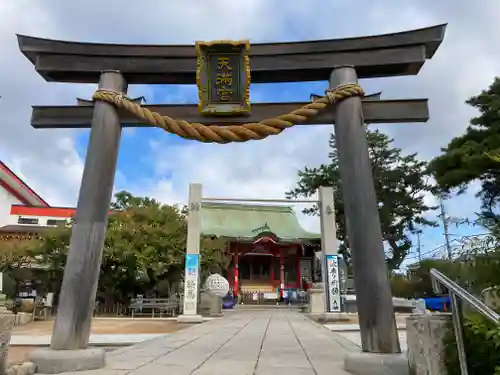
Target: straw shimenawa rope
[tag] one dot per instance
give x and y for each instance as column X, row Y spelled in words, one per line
column 231, row 133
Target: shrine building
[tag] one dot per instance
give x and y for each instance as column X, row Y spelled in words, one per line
column 269, row 247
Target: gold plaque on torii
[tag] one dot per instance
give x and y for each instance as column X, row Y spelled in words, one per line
column 223, row 77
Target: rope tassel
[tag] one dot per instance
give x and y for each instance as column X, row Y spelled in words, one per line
column 231, row 133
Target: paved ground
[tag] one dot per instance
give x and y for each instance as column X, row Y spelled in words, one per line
column 109, row 332
column 241, row 343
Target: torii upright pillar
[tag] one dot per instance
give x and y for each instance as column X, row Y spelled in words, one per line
column 70, row 337
column 373, row 290
column 81, row 273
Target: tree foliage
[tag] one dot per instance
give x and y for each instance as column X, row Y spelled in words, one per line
column 478, row 271
column 16, row 254
column 473, row 156
column 479, row 259
column 52, row 253
column 144, row 249
column 400, row 183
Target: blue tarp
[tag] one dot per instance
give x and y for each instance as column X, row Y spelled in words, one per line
column 437, row 303
column 228, row 302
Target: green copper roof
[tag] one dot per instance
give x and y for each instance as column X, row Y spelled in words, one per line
column 249, row 221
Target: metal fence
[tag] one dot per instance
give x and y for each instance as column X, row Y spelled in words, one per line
column 291, row 296
column 147, row 307
column 111, row 309
column 258, row 298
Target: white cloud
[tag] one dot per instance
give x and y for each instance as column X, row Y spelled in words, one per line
column 48, row 160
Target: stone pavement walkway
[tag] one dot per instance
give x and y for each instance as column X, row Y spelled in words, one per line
column 98, row 339
column 241, row 343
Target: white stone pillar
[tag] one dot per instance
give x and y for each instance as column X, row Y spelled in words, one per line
column 329, row 247
column 192, row 268
column 327, row 220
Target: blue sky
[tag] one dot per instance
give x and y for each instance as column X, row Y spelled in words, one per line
column 160, row 165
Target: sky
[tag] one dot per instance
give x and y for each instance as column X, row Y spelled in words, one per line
column 154, row 163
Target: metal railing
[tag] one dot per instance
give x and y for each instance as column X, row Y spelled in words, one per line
column 297, row 297
column 457, row 296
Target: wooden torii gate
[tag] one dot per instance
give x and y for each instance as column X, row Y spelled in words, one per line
column 341, row 61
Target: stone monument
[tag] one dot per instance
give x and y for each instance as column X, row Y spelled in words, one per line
column 217, row 285
column 215, row 288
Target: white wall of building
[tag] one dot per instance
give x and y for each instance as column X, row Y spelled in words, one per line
column 42, row 220
column 6, row 201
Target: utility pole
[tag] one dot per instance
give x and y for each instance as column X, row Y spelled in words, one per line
column 444, row 218
column 418, row 247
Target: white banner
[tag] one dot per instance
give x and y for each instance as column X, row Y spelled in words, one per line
column 333, row 283
column 270, row 295
column 191, row 283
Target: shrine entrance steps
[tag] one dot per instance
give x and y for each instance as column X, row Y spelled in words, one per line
column 261, row 342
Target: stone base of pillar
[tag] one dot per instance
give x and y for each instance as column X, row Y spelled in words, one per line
column 25, row 368
column 210, row 305
column 194, row 319
column 328, row 317
column 376, row 364
column 316, row 299
column 6, row 325
column 216, row 307
column 424, row 335
column 49, row 361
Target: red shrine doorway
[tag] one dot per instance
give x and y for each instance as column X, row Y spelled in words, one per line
column 265, row 264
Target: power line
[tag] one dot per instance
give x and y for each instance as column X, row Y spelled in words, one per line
column 463, row 241
column 436, row 249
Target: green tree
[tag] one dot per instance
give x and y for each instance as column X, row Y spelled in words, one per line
column 473, row 156
column 52, row 253
column 144, row 249
column 480, row 255
column 401, row 286
column 145, row 243
column 15, row 255
column 401, row 181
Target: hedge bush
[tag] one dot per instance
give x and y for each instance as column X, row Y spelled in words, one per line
column 482, row 347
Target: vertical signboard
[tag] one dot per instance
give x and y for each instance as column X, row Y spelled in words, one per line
column 332, row 283
column 191, row 279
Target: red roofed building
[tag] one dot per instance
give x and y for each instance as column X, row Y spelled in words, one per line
column 22, row 210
